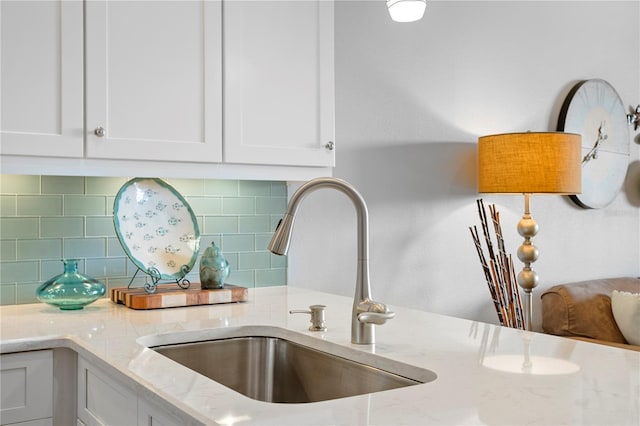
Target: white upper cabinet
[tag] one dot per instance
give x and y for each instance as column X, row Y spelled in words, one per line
column 153, row 78
column 41, row 78
column 228, row 89
column 278, row 82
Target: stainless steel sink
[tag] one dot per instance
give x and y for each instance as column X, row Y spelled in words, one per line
column 274, row 369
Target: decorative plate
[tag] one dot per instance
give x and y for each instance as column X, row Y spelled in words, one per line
column 156, row 227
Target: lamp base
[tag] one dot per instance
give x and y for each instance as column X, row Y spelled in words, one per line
column 527, row 253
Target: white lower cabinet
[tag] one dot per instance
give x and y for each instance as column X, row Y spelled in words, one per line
column 38, row 388
column 152, row 415
column 104, row 400
column 26, row 388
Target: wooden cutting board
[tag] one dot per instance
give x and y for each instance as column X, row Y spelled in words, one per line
column 171, row 296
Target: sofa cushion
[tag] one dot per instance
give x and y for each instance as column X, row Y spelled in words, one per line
column 626, row 311
column 584, row 308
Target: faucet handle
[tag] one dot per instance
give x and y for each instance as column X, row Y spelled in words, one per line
column 317, row 317
column 370, row 312
column 375, row 317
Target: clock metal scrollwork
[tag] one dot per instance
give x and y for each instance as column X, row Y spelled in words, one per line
column 634, row 118
column 593, row 152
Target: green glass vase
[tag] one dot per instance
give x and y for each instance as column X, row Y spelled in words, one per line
column 70, row 290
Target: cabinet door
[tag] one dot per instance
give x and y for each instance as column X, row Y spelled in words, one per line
column 153, row 71
column 102, row 400
column 278, row 82
column 41, row 78
column 26, row 387
column 152, row 415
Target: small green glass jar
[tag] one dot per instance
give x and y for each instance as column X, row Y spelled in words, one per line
column 70, row 290
column 214, row 268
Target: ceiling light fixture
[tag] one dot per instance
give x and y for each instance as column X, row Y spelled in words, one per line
column 406, row 10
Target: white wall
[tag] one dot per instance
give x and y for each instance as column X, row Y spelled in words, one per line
column 411, row 101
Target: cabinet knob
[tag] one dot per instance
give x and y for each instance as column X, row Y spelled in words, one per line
column 330, row 145
column 99, row 131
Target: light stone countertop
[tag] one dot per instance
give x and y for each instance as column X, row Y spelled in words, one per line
column 579, row 383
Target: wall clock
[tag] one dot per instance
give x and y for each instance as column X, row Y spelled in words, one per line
column 594, row 110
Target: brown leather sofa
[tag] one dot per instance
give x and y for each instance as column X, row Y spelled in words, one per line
column 582, row 310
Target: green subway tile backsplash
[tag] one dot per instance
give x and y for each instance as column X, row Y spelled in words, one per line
column 19, row 227
column 270, row 277
column 103, row 185
column 239, row 205
column 270, row 205
column 18, row 184
column 114, row 248
column 258, row 223
column 220, row 224
column 254, row 188
column 61, row 227
column 26, row 292
column 241, row 277
column 263, row 240
column 85, row 205
column 189, row 187
column 279, row 189
column 19, row 271
column 106, row 267
column 39, row 205
column 100, row 226
column 277, row 262
column 254, row 260
column 46, row 218
column 62, row 185
column 8, row 205
column 84, row 247
column 206, row 205
column 39, row 249
column 7, row 294
column 8, row 250
column 238, row 242
column 227, row 188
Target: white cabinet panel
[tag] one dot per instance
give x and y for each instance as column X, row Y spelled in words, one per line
column 105, row 400
column 39, row 422
column 153, row 71
column 278, row 82
column 26, row 387
column 151, row 415
column 102, row 400
column 149, row 74
column 41, row 78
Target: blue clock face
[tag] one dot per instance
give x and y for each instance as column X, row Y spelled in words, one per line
column 594, row 110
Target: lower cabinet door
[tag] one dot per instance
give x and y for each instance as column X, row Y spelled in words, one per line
column 102, row 400
column 151, row 415
column 26, row 388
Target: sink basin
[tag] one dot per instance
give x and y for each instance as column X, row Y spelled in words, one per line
column 275, row 369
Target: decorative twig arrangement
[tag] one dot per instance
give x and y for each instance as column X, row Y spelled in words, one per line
column 499, row 271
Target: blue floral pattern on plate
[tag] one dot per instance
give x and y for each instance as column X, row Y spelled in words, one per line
column 156, row 227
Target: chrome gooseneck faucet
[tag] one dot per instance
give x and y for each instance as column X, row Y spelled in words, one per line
column 366, row 312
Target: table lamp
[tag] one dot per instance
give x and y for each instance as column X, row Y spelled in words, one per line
column 529, row 163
